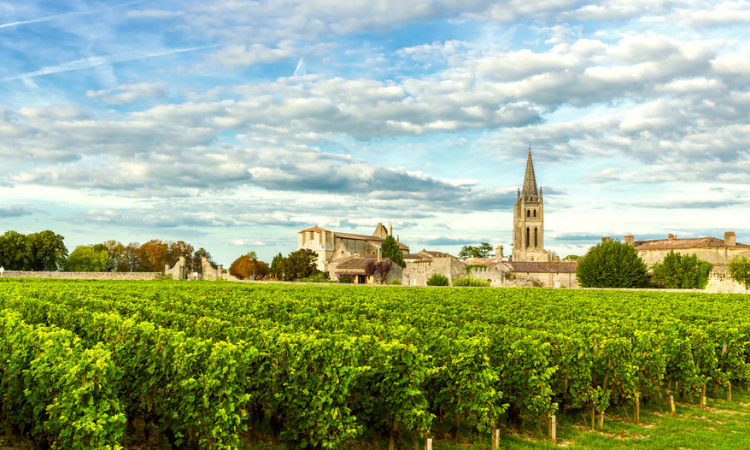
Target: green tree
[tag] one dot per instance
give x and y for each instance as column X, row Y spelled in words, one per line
column 133, row 258
column 116, row 255
column 438, row 280
column 483, row 250
column 739, row 270
column 390, row 249
column 181, row 249
column 46, row 250
column 681, row 272
column 252, row 254
column 88, row 258
column 13, row 254
column 275, row 263
column 612, row 264
column 299, row 264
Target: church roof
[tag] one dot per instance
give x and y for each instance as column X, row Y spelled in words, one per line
column 542, row 267
column 529, row 181
column 315, row 228
column 363, row 237
column 437, row 254
column 677, row 244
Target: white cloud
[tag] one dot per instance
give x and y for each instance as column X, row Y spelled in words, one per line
column 131, row 93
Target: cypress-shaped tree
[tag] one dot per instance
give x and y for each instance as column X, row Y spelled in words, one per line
column 612, row 264
column 390, row 250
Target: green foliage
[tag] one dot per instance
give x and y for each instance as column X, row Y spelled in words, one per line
column 46, row 250
column 345, row 279
column 299, row 264
column 612, row 264
column 438, row 280
column 275, row 263
column 396, row 282
column 483, row 250
column 13, row 254
column 572, row 257
column 475, row 266
column 390, row 249
column 739, row 270
column 320, row 277
column 88, row 258
column 470, row 281
column 681, row 272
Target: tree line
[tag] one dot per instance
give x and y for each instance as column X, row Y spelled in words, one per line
column 46, row 251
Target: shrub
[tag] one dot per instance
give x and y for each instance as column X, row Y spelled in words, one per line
column 681, row 272
column 320, row 277
column 612, row 264
column 396, row 282
column 438, row 280
column 345, row 279
column 739, row 270
column 470, row 281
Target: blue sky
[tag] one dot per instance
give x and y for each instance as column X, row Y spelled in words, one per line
column 234, row 124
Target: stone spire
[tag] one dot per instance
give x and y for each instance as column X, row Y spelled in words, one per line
column 529, row 181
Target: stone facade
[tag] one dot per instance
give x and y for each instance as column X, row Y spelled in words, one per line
column 334, row 244
column 354, row 266
column 528, row 220
column 179, row 271
column 547, row 274
column 85, row 275
column 421, row 266
column 718, row 252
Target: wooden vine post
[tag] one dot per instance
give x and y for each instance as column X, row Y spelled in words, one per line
column 428, row 445
column 601, row 419
column 553, row 429
column 671, row 405
column 637, row 408
column 729, row 392
column 495, row 438
column 593, row 417
column 703, row 397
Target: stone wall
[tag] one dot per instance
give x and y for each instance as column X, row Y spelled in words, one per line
column 85, row 275
column 503, row 278
column 179, row 271
column 209, row 272
column 715, row 255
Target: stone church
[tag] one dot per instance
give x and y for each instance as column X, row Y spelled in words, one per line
column 528, row 220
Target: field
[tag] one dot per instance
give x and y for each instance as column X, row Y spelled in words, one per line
column 89, row 364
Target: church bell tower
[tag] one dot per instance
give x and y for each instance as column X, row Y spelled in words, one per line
column 528, row 220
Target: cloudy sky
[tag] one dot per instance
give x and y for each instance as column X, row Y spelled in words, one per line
column 233, row 124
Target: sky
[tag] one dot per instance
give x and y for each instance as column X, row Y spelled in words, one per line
column 234, row 124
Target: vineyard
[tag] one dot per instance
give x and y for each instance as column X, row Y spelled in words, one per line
column 205, row 364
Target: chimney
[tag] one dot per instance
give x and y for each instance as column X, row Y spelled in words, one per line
column 499, row 251
column 670, row 236
column 380, row 253
column 606, row 239
column 730, row 240
column 390, row 229
column 630, row 240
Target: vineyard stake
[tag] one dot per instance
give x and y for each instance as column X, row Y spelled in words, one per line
column 593, row 417
column 496, row 438
column 601, row 420
column 703, row 397
column 637, row 408
column 553, row 429
column 429, row 444
column 671, row 405
column 729, row 392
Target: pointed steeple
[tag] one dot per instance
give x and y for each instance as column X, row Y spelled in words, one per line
column 529, row 181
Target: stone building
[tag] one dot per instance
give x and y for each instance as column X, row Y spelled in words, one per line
column 354, row 266
column 553, row 274
column 714, row 250
column 334, row 244
column 528, row 220
column 421, row 266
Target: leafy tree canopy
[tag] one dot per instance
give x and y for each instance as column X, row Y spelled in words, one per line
column 483, row 250
column 681, row 272
column 275, row 263
column 739, row 270
column 246, row 267
column 299, row 264
column 612, row 264
column 390, row 249
column 88, row 258
column 45, row 251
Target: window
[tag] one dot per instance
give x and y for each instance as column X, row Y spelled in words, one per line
column 528, row 236
column 535, row 213
column 528, row 213
column 536, row 237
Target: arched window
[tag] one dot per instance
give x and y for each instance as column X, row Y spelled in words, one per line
column 532, row 258
column 536, row 237
column 528, row 213
column 535, row 213
column 528, row 236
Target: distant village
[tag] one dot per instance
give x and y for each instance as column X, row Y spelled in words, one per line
column 346, row 254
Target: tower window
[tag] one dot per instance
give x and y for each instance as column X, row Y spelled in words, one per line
column 535, row 213
column 528, row 213
column 536, row 237
column 528, row 236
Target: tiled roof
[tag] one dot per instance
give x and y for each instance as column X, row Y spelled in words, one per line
column 357, row 262
column 437, row 254
column 364, row 237
column 489, row 262
column 315, row 228
column 416, row 257
column 541, row 267
column 675, row 244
